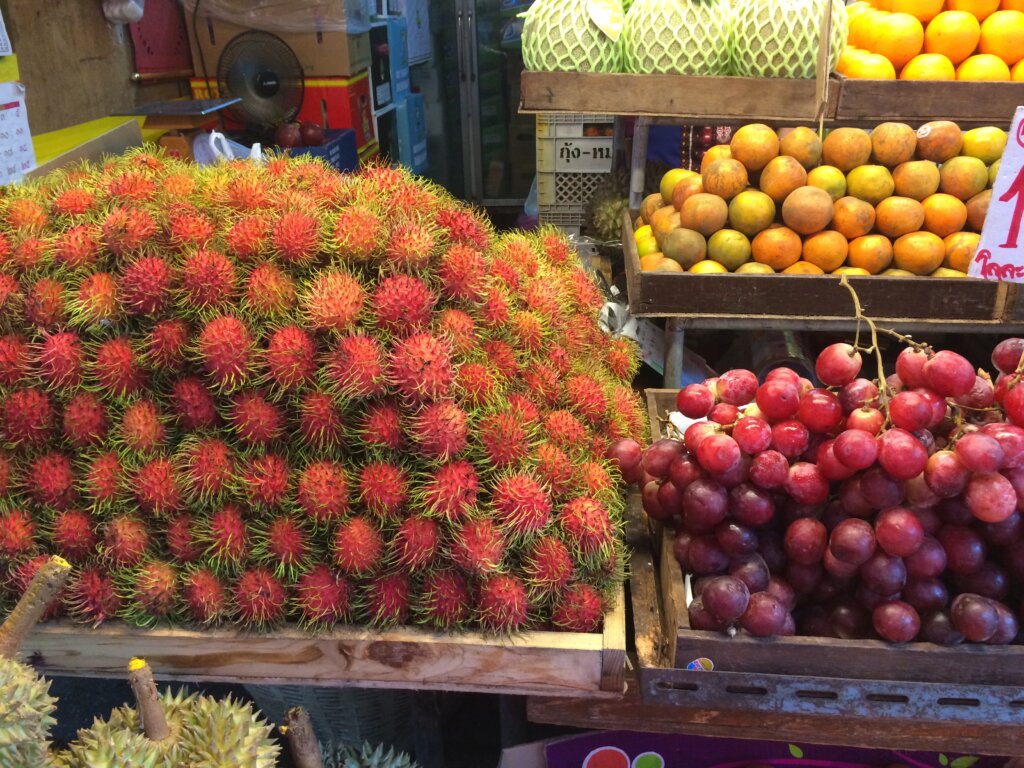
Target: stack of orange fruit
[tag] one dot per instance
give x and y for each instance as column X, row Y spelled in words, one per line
column 892, row 201
column 935, row 40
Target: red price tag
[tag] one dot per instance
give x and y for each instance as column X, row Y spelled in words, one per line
column 1000, row 254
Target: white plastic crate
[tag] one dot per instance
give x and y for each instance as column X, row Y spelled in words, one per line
column 575, row 143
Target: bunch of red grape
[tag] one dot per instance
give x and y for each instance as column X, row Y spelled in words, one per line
column 843, row 510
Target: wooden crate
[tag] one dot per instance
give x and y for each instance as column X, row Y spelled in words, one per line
column 810, row 302
column 550, row 663
column 874, row 101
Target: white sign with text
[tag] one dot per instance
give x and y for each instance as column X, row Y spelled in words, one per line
column 1000, row 254
column 17, row 156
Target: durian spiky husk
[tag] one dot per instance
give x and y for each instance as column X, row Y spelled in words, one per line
column 104, row 746
column 26, row 715
column 344, row 756
column 609, row 201
column 225, row 733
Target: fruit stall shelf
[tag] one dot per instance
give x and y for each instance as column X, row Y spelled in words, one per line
column 819, row 302
column 743, row 99
column 549, row 663
column 663, row 699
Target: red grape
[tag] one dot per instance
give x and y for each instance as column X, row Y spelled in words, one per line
column 955, row 511
column 949, row 374
column 837, row 568
column 852, row 541
column 979, row 452
column 659, row 455
column 784, row 374
column 856, row 449
column 1016, row 478
column 880, row 489
column 982, row 394
column 1013, row 559
column 901, row 454
column 778, row 399
column 1011, row 440
column 816, row 622
column 927, row 440
column 752, row 435
column 783, row 592
column 671, row 499
column 625, row 454
column 737, row 387
column 740, row 473
column 851, row 497
column 683, row 470
column 788, row 626
column 918, row 495
column 896, row 621
column 765, row 615
column 1007, row 353
column 719, row 453
column 702, row 619
column 705, row 557
column 899, row 532
column 806, row 484
column 989, row 581
column 965, row 549
column 870, row 599
column 1003, row 533
column 1007, row 628
column 751, row 505
column 696, row 433
column 1003, row 381
column 884, row 574
column 866, row 419
column 651, row 504
column 938, row 628
column 945, row 474
column 695, row 401
column 931, row 521
column 769, row 470
column 938, row 404
column 831, row 467
column 858, row 394
column 814, row 443
column 724, row 414
column 974, row 616
column 751, row 570
column 736, row 539
column 805, row 541
column 850, row 621
column 926, row 595
column 910, row 411
column 894, row 383
column 681, row 549
column 991, row 498
column 790, row 438
column 705, row 505
column 928, row 562
column 837, row 365
column 820, row 410
column 726, row 598
column 910, row 368
column 769, row 546
column 804, row 578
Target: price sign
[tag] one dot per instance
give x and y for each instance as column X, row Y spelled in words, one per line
column 1000, row 254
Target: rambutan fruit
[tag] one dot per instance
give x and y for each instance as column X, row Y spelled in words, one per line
column 91, row 597
column 383, row 489
column 332, row 301
column 321, row 598
column 542, row 297
column 248, row 237
column 157, row 487
column 131, row 185
column 146, row 285
column 46, row 304
column 208, row 466
column 127, row 230
column 458, row 329
column 416, row 543
column 51, row 481
column 269, row 292
column 17, row 533
column 73, row 535
column 116, row 368
column 579, row 608
column 189, row 227
column 296, row 237
column 193, row 404
column 622, row 358
column 208, row 280
column 582, row 291
column 592, row 479
column 247, row 192
column 24, row 213
column 152, row 593
column 504, row 273
column 225, row 348
column 565, row 430
column 266, row 481
column 494, row 309
column 182, row 538
column 27, row 418
column 15, row 359
column 464, row 227
column 420, row 368
column 587, row 527
column 386, row 599
column 544, row 383
column 501, row 603
column 522, row 405
column 320, row 423
column 478, row 547
column 358, row 232
column 461, row 272
column 357, row 547
column 95, row 302
column 380, row 427
column 59, row 359
column 142, row 428
column 521, row 504
column 528, row 331
column 290, row 358
column 225, row 538
column 518, row 250
column 77, row 248
column 554, row 468
column 548, row 566
column 444, row 599
column 502, row 358
column 74, row 201
column 177, row 186
column 255, row 420
column 450, row 491
column 125, row 541
column 477, row 383
column 412, row 195
column 556, row 247
column 7, row 474
column 10, row 296
column 440, row 430
column 402, row 304
column 204, row 596
column 282, row 544
column 166, row 344
column 102, row 479
column 409, row 246
column 504, row 439
column 354, row 368
column 30, row 254
column 21, row 577
column 586, row 397
column 323, row 491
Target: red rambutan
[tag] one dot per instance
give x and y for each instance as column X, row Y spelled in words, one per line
column 358, row 231
column 282, row 544
column 322, row 597
column 332, row 301
column 420, row 368
column 450, row 491
column 73, row 535
column 528, row 331
column 409, row 246
column 142, row 429
column 131, row 185
column 208, row 280
column 146, row 285
column 153, row 593
column 73, row 202
column 592, row 479
column 225, row 538
column 193, row 404
column 548, row 566
column 621, row 357
column 477, row 383
column 209, row 467
column 502, row 358
column 225, row 348
column 166, row 344
column 323, row 491
column 522, row 405
column 30, row 254
column 542, row 297
column 357, row 547
column 91, row 597
column 269, row 292
column 15, row 359
column 416, row 543
column 296, row 237
column 461, row 272
column 554, row 468
column 157, row 487
column 46, row 304
column 501, row 603
column 587, row 527
column 380, row 426
column 521, row 504
column 96, row 301
column 6, row 474
column 444, row 599
column 126, row 230
column 354, row 368
column 266, row 480
column 116, row 369
column 177, row 186
column 182, row 538
column 320, row 424
column 582, row 291
column 578, row 609
column 543, row 383
column 290, row 357
column 556, row 248
column 27, row 417
column 402, row 304
column 190, row 227
column 248, row 236
column 463, row 226
column 505, row 274
column 458, row 329
column 125, row 541
column 51, row 481
column 59, row 360
column 504, row 439
column 494, row 307
column 9, row 294
column 17, row 533
column 205, row 597
column 24, row 213
column 585, row 396
column 565, row 430
column 386, row 599
column 478, row 547
column 103, row 479
column 77, row 248
column 255, row 420
column 441, row 430
column 247, row 192
column 383, row 489
column 518, row 250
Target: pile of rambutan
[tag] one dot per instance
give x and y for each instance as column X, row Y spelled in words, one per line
column 261, row 393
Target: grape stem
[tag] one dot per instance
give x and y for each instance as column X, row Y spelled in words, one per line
column 884, row 393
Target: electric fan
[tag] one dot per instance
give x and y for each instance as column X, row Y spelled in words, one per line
column 265, row 73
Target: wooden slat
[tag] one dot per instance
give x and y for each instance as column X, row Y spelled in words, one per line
column 613, row 650
column 876, row 101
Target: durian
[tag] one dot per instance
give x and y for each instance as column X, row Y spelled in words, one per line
column 26, row 716
column 107, row 746
column 344, row 756
column 607, row 204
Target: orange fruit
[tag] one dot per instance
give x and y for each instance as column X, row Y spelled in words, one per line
column 1017, row 73
column 861, row 28
column 872, row 183
column 650, row 261
column 858, row 271
column 977, row 210
column 916, row 179
column 686, row 189
column 826, row 250
column 725, row 178
column 754, row 145
column 900, row 37
column 896, row 216
column 650, row 204
column 983, row 66
column 751, row 212
column 668, row 182
column 803, row 268
column 717, row 152
column 980, row 9
column 729, row 248
column 753, row 268
column 929, row 66
column 707, row 267
column 846, row 59
column 704, row 213
column 781, row 176
column 664, row 221
column 846, row 148
column 1005, row 5
column 919, row 252
column 944, row 214
column 939, row 140
column 853, row 218
column 667, row 265
column 922, row 10
column 829, row 178
column 954, row 34
column 871, row 66
column 870, row 252
column 960, row 249
column 963, row 177
column 803, row 144
column 778, row 247
column 1002, row 34
column 685, row 246
column 883, row 5
column 893, row 143
column 807, row 210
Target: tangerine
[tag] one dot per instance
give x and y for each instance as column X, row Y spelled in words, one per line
column 986, row 143
column 778, row 247
column 899, row 37
column 916, row 179
column 781, row 176
column 960, row 250
column 919, row 252
column 870, row 252
column 846, row 148
column 686, row 189
column 893, row 143
column 754, row 268
column 707, row 267
column 667, row 265
column 803, row 144
column 944, row 214
column 977, row 209
column 1017, row 73
column 946, row 272
column 1002, row 34
column 754, row 145
column 829, row 178
column 669, row 181
column 929, row 66
column 983, row 66
column 954, row 34
column 751, row 211
column 1005, row 5
column 922, row 10
column 871, row 66
column 729, row 248
column 872, row 183
column 717, row 152
column 826, row 250
column 853, row 218
column 685, row 246
column 807, row 210
column 664, row 221
column 858, row 271
column 980, row 9
column 963, row 177
column 650, row 261
column 896, row 216
column 939, row 140
column 725, row 178
column 803, row 268
column 704, row 213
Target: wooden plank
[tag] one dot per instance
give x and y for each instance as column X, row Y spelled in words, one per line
column 613, row 650
column 648, row 633
column 876, row 101
column 551, row 663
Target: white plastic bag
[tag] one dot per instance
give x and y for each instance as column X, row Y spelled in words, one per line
column 209, row 148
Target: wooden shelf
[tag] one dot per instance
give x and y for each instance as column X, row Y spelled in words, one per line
column 549, row 663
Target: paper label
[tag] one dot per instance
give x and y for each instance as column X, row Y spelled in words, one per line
column 5, row 40
column 1000, row 254
column 607, row 15
column 17, row 156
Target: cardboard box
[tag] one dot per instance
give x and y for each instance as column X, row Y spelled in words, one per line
column 322, row 54
column 338, row 149
column 178, row 145
column 389, row 67
column 417, row 16
column 411, row 127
